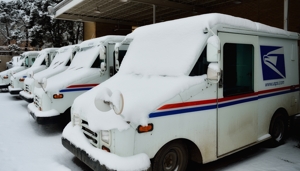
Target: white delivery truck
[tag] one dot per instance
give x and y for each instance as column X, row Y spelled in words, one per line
column 53, row 100
column 42, row 61
column 61, row 62
column 20, row 66
column 197, row 88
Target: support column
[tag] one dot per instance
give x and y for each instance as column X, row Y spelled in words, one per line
column 285, row 14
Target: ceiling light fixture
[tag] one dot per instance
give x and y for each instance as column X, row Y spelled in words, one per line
column 97, row 11
column 237, row 2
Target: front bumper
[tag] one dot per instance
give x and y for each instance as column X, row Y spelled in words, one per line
column 43, row 117
column 83, row 156
column 14, row 91
column 26, row 96
column 4, row 86
column 77, row 143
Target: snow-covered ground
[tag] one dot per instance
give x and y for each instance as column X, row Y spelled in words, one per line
column 25, row 145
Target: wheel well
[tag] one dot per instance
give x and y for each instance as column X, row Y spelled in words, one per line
column 194, row 152
column 282, row 111
column 279, row 110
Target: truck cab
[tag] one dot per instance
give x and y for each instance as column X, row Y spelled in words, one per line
column 35, row 65
column 20, row 66
column 60, row 63
column 93, row 64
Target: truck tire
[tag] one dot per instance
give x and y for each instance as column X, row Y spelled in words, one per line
column 278, row 129
column 173, row 156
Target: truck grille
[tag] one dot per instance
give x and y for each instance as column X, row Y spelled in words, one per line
column 92, row 136
column 27, row 88
column 37, row 102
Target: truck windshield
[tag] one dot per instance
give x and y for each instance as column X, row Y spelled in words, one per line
column 85, row 57
column 201, row 65
column 39, row 59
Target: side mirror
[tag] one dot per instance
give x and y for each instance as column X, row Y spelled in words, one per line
column 102, row 52
column 117, row 64
column 213, row 73
column 103, row 67
column 213, row 49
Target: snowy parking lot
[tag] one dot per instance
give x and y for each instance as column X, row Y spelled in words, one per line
column 25, row 145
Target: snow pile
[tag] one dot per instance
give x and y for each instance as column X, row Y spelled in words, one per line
column 110, row 160
column 142, row 95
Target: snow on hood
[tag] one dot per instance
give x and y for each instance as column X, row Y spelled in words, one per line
column 142, row 95
column 14, row 69
column 24, row 73
column 68, row 77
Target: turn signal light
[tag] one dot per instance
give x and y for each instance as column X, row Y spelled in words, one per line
column 58, row 96
column 5, row 77
column 105, row 149
column 142, row 129
column 21, row 79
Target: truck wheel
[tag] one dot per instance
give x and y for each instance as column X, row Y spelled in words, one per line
column 66, row 117
column 173, row 156
column 278, row 129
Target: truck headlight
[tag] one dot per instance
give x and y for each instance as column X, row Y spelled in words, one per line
column 105, row 137
column 76, row 120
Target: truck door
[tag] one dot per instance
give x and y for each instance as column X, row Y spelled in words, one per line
column 237, row 101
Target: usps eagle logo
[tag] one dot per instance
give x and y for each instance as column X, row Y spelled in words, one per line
column 272, row 60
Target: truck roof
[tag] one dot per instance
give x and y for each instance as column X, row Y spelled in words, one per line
column 30, row 52
column 96, row 41
column 171, row 48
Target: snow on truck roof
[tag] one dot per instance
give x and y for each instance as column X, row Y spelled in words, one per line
column 29, row 53
column 97, row 41
column 156, row 68
column 173, row 46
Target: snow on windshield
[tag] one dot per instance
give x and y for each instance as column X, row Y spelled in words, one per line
column 39, row 59
column 61, row 58
column 85, row 57
column 142, row 95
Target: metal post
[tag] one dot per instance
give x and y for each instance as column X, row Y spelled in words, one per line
column 154, row 11
column 285, row 14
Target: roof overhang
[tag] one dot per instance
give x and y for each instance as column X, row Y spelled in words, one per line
column 132, row 12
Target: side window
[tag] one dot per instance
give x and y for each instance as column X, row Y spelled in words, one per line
column 201, row 65
column 32, row 59
column 96, row 64
column 44, row 62
column 238, row 66
column 69, row 62
column 122, row 53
